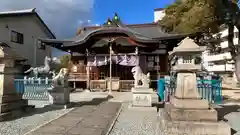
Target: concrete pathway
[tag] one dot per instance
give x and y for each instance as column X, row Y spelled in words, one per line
column 91, row 118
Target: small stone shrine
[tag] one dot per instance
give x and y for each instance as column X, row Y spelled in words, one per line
column 141, row 92
column 187, row 112
column 11, row 102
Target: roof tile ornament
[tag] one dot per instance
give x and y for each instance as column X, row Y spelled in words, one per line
column 116, row 19
column 79, row 31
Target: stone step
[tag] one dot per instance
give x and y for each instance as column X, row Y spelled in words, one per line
column 11, row 115
column 28, row 108
column 6, row 107
column 10, row 98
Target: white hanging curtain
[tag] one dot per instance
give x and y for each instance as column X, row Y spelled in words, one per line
column 121, row 60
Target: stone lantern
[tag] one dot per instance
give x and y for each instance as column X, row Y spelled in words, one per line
column 187, row 112
column 11, row 102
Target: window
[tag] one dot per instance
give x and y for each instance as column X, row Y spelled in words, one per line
column 16, row 37
column 102, row 76
column 187, row 59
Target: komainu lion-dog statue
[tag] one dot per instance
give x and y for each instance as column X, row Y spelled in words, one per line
column 138, row 75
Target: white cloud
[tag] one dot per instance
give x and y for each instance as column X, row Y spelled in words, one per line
column 62, row 16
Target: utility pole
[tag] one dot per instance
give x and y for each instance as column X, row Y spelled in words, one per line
column 36, row 42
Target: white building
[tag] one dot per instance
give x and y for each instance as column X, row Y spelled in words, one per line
column 20, row 30
column 159, row 13
column 221, row 62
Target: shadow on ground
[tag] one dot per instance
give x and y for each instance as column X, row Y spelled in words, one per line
column 33, row 111
column 158, row 105
column 224, row 110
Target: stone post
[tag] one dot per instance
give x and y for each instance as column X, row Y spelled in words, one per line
column 186, row 106
column 11, row 102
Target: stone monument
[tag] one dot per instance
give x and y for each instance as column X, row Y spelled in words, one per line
column 11, row 102
column 59, row 94
column 187, row 112
column 141, row 92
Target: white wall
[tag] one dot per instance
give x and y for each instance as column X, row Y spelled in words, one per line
column 31, row 28
column 208, row 58
column 158, row 15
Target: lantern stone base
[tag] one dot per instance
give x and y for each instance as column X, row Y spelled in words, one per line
column 192, row 114
column 59, row 96
column 170, row 126
column 142, row 97
column 12, row 106
column 190, row 103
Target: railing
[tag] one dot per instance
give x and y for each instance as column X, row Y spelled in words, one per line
column 98, row 85
column 124, row 85
column 218, row 57
column 210, row 90
column 81, row 76
column 77, row 77
column 33, row 89
column 227, row 67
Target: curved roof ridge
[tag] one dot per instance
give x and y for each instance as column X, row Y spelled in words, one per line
column 137, row 33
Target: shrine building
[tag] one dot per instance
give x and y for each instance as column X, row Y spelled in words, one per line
column 146, row 45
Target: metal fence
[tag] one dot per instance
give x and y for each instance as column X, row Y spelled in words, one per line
column 210, row 90
column 33, row 89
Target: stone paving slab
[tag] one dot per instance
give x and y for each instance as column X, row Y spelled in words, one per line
column 89, row 119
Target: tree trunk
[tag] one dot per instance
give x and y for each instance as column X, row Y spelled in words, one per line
column 230, row 40
column 236, row 59
column 233, row 49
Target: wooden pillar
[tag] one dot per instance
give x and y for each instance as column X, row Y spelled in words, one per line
column 88, row 76
column 158, row 67
column 136, row 52
column 88, row 72
column 110, row 69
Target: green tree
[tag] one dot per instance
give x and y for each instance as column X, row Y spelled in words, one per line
column 64, row 62
column 205, row 16
column 191, row 16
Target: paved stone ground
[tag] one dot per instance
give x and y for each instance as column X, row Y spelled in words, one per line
column 136, row 121
column 93, row 118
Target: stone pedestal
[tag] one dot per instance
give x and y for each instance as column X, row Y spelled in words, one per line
column 142, row 97
column 169, row 126
column 59, row 96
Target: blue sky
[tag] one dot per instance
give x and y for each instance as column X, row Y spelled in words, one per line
column 130, row 11
column 64, row 17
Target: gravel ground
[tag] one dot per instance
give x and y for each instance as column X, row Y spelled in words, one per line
column 133, row 121
column 25, row 124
